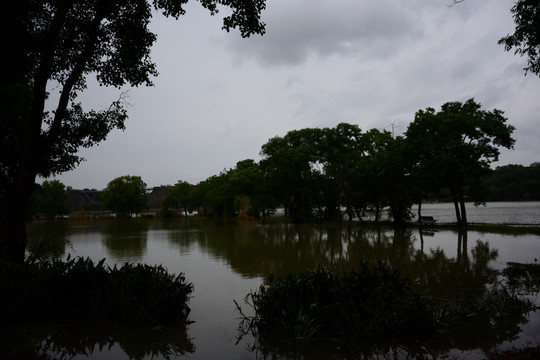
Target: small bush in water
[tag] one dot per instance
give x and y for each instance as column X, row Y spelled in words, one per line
column 78, row 289
column 362, row 304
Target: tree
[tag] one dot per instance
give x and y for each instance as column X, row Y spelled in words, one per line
column 454, row 147
column 248, row 186
column 50, row 199
column 339, row 150
column 179, row 197
column 290, row 166
column 526, row 38
column 213, row 196
column 382, row 177
column 59, row 43
column 315, row 172
column 125, row 195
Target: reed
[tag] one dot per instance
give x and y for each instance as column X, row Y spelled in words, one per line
column 80, row 290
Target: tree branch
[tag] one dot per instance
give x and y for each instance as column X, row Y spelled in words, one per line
column 75, row 75
column 454, row 2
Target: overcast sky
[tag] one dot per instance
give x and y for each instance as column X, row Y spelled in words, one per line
column 219, row 97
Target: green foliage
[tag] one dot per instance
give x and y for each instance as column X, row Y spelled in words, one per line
column 367, row 311
column 179, row 198
column 291, row 166
column 50, row 199
column 523, row 277
column 78, row 289
column 526, row 38
column 363, row 305
column 239, row 191
column 454, row 147
column 513, row 183
column 125, row 195
column 316, row 172
column 213, row 196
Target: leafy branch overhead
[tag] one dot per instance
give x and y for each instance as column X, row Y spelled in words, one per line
column 526, row 39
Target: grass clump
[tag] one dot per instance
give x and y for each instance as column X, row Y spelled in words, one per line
column 359, row 306
column 524, row 276
column 81, row 290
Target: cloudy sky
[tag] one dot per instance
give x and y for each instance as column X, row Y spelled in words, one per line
column 219, row 97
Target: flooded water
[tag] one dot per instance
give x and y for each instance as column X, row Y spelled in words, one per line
column 225, row 260
column 490, row 213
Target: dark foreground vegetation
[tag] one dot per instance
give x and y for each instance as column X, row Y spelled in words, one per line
column 320, row 314
column 61, row 297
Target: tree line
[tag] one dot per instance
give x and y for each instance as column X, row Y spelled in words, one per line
column 316, row 174
column 513, row 183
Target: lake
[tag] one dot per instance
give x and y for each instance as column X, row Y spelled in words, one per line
column 225, row 260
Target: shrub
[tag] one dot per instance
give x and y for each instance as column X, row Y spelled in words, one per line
column 78, row 289
column 360, row 306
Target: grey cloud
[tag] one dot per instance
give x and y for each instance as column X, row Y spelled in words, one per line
column 297, row 30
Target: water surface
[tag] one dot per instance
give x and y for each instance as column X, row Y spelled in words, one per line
column 225, row 260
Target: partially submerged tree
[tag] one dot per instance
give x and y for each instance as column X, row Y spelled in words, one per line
column 455, row 146
column 178, row 198
column 125, row 195
column 60, row 43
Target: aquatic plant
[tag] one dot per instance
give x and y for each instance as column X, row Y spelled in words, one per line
column 79, row 289
column 359, row 306
column 369, row 311
column 524, row 277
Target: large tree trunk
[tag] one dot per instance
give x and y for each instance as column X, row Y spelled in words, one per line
column 15, row 209
column 456, row 206
column 18, row 193
column 463, row 210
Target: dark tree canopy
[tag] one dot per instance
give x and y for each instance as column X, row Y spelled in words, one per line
column 454, row 147
column 57, row 44
column 514, row 183
column 50, row 199
column 178, row 198
column 526, row 38
column 125, row 195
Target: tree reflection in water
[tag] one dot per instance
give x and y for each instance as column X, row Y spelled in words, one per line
column 126, row 239
column 70, row 341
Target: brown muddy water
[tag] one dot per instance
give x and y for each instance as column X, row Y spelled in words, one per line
column 225, row 260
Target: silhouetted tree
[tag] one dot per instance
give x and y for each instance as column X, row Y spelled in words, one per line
column 50, row 199
column 178, row 197
column 125, row 195
column 526, row 38
column 454, row 147
column 291, row 166
column 60, row 43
